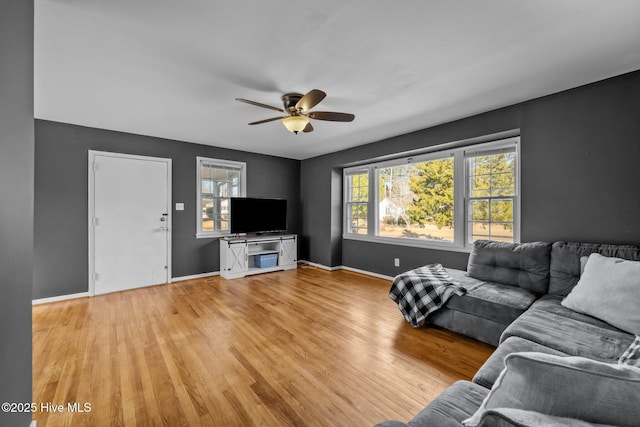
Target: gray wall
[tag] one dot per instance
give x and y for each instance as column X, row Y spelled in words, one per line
column 61, row 187
column 16, row 205
column 580, row 155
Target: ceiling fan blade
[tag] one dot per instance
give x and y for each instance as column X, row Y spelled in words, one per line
column 310, row 100
column 308, row 128
column 266, row 120
column 332, row 116
column 259, row 104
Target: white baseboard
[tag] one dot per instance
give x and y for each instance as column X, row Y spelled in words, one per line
column 368, row 273
column 33, row 423
column 86, row 294
column 195, row 276
column 344, row 267
column 215, row 273
column 324, row 267
column 59, row 298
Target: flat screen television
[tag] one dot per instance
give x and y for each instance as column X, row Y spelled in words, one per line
column 253, row 215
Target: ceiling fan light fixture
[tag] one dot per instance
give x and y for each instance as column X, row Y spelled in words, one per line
column 295, row 124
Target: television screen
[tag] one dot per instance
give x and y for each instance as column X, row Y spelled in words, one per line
column 252, row 215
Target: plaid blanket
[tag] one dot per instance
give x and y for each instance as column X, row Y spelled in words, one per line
column 632, row 355
column 422, row 291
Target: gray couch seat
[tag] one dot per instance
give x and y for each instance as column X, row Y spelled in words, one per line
column 548, row 323
column 502, row 281
column 456, row 403
column 489, row 371
column 490, row 300
column 485, row 310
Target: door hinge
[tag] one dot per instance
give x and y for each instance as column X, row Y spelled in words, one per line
column 95, row 166
column 95, row 221
column 95, row 277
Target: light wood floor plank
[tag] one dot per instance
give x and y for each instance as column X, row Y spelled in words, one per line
column 305, row 347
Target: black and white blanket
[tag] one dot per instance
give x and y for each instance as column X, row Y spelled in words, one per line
column 632, row 355
column 422, row 291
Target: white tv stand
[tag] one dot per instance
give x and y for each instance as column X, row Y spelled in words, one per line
column 237, row 254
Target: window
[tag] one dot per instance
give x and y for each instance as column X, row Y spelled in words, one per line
column 217, row 182
column 357, row 201
column 492, row 194
column 415, row 200
column 440, row 199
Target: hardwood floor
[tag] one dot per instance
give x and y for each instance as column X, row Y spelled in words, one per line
column 295, row 348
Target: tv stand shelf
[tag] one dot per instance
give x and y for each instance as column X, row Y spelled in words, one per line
column 238, row 254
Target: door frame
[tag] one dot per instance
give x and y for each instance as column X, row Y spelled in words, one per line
column 91, row 210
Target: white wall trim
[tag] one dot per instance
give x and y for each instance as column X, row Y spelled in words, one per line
column 195, row 276
column 59, row 298
column 368, row 273
column 344, row 267
column 324, row 267
column 212, row 274
column 33, row 423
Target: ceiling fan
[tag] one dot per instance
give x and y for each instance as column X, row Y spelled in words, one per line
column 297, row 107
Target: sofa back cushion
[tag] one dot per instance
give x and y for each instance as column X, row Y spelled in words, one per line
column 565, row 262
column 517, row 264
column 570, row 387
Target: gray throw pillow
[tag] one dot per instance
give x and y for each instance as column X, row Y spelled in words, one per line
column 571, row 387
column 509, row 417
column 609, row 289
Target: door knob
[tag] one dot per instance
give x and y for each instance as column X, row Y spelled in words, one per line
column 163, row 219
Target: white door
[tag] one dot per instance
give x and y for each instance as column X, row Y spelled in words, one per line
column 129, row 221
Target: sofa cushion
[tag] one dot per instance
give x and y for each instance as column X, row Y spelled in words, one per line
column 548, row 323
column 455, row 404
column 510, row 417
column 495, row 301
column 484, row 311
column 566, row 387
column 490, row 370
column 479, row 328
column 516, row 264
column 565, row 262
column 609, row 289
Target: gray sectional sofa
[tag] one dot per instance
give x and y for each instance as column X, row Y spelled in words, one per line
column 553, row 365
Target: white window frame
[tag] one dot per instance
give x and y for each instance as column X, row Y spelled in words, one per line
column 226, row 164
column 489, row 149
column 461, row 191
column 348, row 202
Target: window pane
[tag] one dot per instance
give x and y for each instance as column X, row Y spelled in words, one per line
column 492, row 178
column 480, row 185
column 480, row 230
column 502, row 231
column 502, row 184
column 502, row 210
column 207, row 214
column 235, row 190
column 358, row 187
column 215, row 214
column 207, row 186
column 479, row 210
column 357, row 218
column 492, row 175
column 416, row 200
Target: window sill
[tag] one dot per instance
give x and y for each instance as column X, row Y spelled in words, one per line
column 211, row 235
column 416, row 243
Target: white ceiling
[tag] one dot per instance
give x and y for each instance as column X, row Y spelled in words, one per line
column 172, row 69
